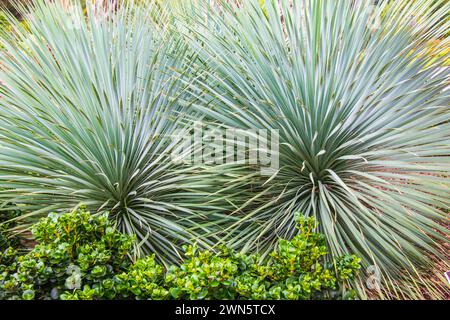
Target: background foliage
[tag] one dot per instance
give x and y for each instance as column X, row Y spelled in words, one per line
column 92, row 102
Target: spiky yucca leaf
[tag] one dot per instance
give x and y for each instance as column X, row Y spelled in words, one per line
column 363, row 117
column 87, row 112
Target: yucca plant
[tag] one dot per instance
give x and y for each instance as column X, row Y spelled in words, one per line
column 363, row 118
column 88, row 109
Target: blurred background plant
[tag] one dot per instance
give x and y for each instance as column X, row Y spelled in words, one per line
column 437, row 46
column 73, row 250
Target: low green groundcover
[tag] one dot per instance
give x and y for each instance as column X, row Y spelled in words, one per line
column 82, row 256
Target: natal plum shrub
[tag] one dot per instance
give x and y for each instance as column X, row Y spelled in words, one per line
column 74, row 249
column 7, row 238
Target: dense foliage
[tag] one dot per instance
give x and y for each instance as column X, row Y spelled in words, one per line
column 82, row 256
column 297, row 269
column 362, row 111
column 7, row 222
column 90, row 117
column 93, row 101
column 3, row 21
column 71, row 249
